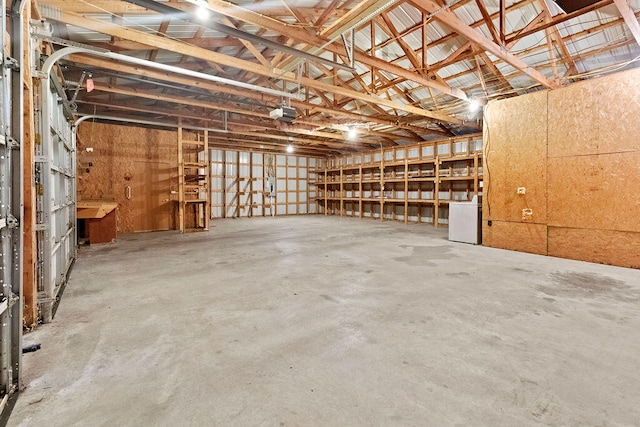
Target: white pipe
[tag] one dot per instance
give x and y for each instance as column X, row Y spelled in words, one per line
column 48, row 65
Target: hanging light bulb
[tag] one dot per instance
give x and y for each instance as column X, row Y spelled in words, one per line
column 352, row 133
column 474, row 105
column 289, row 148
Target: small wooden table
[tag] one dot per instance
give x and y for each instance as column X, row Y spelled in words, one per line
column 100, row 219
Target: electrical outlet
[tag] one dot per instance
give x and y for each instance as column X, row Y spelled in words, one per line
column 522, row 190
column 527, row 214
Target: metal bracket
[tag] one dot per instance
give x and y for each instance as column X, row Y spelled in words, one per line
column 39, row 74
column 13, row 298
column 69, row 43
column 12, row 143
column 12, row 221
column 11, row 63
column 349, row 47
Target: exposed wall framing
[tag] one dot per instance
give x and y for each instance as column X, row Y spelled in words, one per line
column 405, row 183
column 241, row 184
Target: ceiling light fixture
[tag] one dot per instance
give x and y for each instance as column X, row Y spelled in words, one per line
column 474, row 105
column 352, row 133
column 203, row 13
column 289, row 148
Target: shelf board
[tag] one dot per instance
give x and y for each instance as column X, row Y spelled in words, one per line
column 447, row 201
column 421, row 201
column 371, row 166
column 413, row 162
column 457, row 178
column 459, row 158
column 422, row 179
column 192, row 142
column 395, row 164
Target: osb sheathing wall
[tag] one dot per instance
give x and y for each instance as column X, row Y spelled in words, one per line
column 120, row 154
column 576, row 153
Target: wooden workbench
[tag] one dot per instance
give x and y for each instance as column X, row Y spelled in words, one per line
column 100, row 219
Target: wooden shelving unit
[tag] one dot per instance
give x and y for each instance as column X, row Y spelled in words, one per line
column 398, row 183
column 194, row 198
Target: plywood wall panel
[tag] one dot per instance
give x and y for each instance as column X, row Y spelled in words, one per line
column 515, row 236
column 118, row 152
column 515, row 156
column 595, row 192
column 595, row 116
column 601, row 246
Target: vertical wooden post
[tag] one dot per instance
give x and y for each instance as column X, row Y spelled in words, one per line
column 207, row 181
column 406, row 188
column 326, row 192
column 436, row 191
column 475, row 174
column 360, row 190
column 341, row 191
column 250, row 213
column 181, row 202
column 29, row 254
column 238, row 188
column 224, row 183
column 381, row 185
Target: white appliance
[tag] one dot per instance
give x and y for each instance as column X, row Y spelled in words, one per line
column 464, row 221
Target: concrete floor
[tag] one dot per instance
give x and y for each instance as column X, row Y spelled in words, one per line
column 304, row 321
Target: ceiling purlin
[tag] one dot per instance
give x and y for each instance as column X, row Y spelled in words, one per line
column 354, row 17
column 487, row 20
column 248, row 45
column 456, row 56
column 494, row 70
column 448, row 18
column 582, row 56
column 401, row 93
column 453, row 35
column 386, row 25
column 552, row 35
column 235, row 142
column 162, row 31
column 214, row 57
column 116, row 19
column 301, row 35
column 214, row 87
column 270, row 131
column 557, row 20
column 294, row 12
column 326, row 13
column 340, row 104
column 476, row 24
column 98, row 6
column 552, row 54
